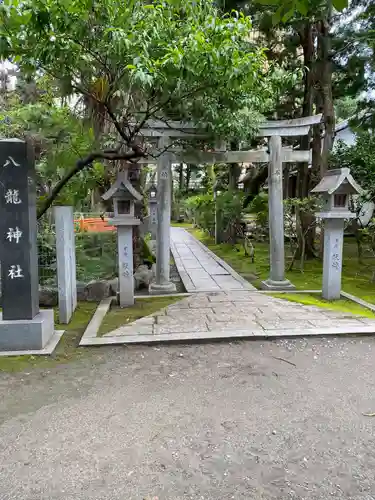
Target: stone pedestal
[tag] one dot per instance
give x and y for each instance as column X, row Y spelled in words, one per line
column 277, row 285
column 26, row 334
column 162, row 283
column 332, row 260
column 277, row 280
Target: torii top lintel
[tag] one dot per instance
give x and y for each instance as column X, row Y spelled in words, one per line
column 286, row 128
column 283, row 128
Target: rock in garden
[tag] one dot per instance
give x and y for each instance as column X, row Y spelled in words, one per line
column 114, row 286
column 81, row 291
column 142, row 277
column 48, row 297
column 98, row 290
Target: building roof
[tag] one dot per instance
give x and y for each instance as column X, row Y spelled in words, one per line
column 122, row 184
column 342, row 126
column 335, row 178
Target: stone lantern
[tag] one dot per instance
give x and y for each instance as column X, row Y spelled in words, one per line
column 335, row 188
column 124, row 197
column 153, row 208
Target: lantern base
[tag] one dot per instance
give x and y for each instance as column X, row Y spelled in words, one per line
column 277, row 285
column 158, row 289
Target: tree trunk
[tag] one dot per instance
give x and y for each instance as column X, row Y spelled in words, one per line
column 306, row 240
column 254, row 185
column 187, row 177
column 181, row 177
column 325, row 72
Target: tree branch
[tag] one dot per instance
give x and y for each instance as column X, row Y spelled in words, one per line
column 116, row 123
column 109, row 154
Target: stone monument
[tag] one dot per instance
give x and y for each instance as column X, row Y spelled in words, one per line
column 22, row 325
column 335, row 188
column 124, row 197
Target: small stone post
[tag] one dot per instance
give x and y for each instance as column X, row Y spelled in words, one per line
column 162, row 283
column 125, row 264
column 66, row 263
column 153, row 208
column 332, row 259
column 277, row 280
column 218, row 228
column 22, row 325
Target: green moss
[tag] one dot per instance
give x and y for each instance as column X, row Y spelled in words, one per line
column 67, row 349
column 342, row 305
column 117, row 316
column 356, row 277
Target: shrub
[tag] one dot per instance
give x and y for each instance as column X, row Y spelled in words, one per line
column 201, row 210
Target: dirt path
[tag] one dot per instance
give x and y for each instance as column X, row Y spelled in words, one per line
column 217, row 421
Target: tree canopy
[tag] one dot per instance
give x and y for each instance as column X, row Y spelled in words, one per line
column 167, row 59
column 133, row 61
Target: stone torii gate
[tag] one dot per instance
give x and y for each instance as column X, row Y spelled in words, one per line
column 275, row 156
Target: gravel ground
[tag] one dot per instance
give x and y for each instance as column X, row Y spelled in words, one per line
column 210, row 421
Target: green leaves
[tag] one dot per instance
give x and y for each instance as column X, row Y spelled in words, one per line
column 340, row 4
column 360, row 158
column 289, row 8
column 181, row 60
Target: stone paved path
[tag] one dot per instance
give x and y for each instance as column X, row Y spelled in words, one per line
column 234, row 314
column 200, row 269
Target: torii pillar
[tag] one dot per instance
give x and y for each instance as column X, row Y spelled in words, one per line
column 276, row 280
column 275, row 130
column 164, row 196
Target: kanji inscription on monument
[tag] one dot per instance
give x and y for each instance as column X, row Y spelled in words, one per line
column 18, row 230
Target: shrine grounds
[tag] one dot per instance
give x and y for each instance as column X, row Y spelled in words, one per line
column 269, row 420
column 240, row 420
column 356, row 277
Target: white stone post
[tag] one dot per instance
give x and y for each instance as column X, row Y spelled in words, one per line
column 162, row 283
column 153, row 206
column 276, row 280
column 125, row 259
column 218, row 228
column 66, row 262
column 332, row 260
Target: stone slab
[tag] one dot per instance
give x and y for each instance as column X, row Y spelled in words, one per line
column 200, row 269
column 27, row 334
column 132, row 329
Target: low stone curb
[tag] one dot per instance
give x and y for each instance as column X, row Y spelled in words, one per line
column 222, row 335
column 92, row 328
column 359, row 301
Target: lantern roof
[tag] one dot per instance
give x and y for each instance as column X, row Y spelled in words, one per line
column 335, row 179
column 122, row 186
